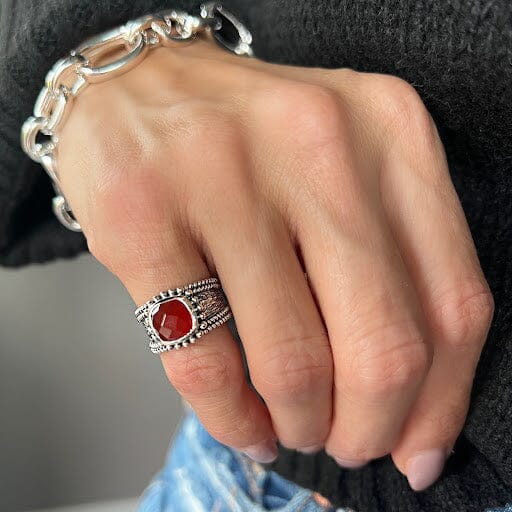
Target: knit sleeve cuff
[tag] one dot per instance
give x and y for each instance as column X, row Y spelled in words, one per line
column 29, row 232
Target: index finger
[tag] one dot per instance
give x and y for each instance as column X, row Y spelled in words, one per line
column 431, row 229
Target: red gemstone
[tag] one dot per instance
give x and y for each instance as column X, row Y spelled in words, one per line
column 173, row 320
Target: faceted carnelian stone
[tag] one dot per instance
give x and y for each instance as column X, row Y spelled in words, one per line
column 173, row 320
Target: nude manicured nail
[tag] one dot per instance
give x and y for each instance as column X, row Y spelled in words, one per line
column 263, row 453
column 350, row 464
column 310, row 450
column 425, row 468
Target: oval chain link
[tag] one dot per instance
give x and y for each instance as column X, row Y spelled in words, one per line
column 71, row 75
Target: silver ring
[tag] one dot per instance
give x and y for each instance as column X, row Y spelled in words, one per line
column 176, row 318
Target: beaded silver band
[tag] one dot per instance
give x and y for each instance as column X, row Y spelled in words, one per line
column 205, row 302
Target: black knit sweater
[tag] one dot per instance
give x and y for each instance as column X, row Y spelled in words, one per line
column 458, row 55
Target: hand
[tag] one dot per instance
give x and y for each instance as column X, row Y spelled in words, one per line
column 198, row 163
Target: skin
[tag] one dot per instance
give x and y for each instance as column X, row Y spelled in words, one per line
column 200, row 163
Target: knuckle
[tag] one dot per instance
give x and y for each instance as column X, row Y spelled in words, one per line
column 375, row 372
column 400, row 368
column 200, row 374
column 128, row 177
column 120, row 198
column 405, row 111
column 127, row 212
column 312, row 115
column 401, row 99
column 409, row 132
column 314, row 119
column 465, row 315
column 289, row 374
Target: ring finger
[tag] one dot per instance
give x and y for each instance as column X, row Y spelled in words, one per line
column 209, row 374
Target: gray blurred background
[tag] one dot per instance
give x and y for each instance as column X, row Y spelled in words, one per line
column 86, row 411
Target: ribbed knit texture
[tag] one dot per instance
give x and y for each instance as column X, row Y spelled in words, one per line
column 458, row 55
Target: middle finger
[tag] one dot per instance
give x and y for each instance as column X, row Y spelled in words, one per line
column 375, row 326
column 288, row 352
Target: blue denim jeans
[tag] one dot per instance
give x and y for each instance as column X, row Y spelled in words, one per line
column 202, row 475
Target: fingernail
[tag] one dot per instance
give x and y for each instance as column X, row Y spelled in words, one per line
column 425, row 468
column 263, row 453
column 310, row 450
column 350, row 464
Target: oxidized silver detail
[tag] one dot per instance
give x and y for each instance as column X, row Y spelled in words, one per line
column 214, row 11
column 70, row 76
column 206, row 303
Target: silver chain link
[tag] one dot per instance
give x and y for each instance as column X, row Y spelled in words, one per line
column 72, row 74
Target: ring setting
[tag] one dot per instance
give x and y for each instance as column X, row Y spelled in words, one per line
column 176, row 318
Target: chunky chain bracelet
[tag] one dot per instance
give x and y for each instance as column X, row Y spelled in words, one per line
column 84, row 65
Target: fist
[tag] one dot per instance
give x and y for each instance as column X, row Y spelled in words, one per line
column 199, row 163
